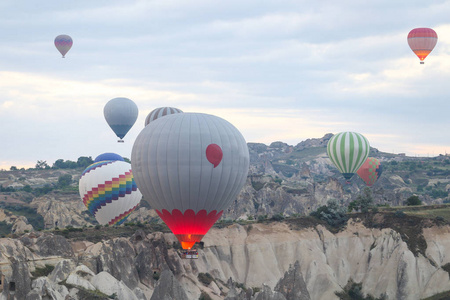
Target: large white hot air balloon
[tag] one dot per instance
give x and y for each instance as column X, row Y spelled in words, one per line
column 190, row 167
column 108, row 190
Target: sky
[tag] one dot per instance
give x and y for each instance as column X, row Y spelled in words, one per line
column 278, row 70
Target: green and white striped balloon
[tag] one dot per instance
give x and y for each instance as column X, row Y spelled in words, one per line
column 348, row 151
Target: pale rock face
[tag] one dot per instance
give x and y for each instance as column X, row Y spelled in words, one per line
column 290, row 262
column 168, row 288
column 62, row 270
column 397, row 180
column 268, row 294
column 43, row 288
column 109, row 285
column 81, row 276
column 61, row 212
column 21, row 225
column 378, row 258
column 142, row 214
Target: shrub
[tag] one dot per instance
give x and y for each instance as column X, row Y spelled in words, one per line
column 38, row 272
column 332, row 213
column 354, row 291
column 156, row 276
column 205, row 278
column 262, row 218
column 413, row 200
column 257, row 185
column 278, row 217
column 204, row 296
column 399, row 213
column 64, row 180
column 365, row 200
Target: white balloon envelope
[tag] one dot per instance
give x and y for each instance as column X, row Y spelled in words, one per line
column 190, row 167
column 109, row 192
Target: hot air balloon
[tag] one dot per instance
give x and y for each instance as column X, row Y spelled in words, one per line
column 190, row 167
column 63, row 43
column 108, row 190
column 120, row 114
column 160, row 112
column 422, row 41
column 348, row 151
column 370, row 170
column 108, row 156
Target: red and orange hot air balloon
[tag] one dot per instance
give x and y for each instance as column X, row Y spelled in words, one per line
column 422, row 41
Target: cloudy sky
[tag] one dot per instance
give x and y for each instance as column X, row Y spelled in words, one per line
column 278, row 70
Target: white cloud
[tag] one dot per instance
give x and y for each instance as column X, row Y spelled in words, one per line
column 288, row 70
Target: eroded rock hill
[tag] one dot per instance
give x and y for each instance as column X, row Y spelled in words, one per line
column 292, row 259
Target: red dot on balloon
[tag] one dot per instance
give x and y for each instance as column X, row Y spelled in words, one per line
column 214, row 154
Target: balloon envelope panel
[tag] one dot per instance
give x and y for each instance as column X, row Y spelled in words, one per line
column 188, row 185
column 109, row 192
column 161, row 112
column 348, row 151
column 108, row 156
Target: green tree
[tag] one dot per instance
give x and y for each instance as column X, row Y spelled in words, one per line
column 413, row 200
column 42, row 164
column 59, row 164
column 64, row 180
column 354, row 205
column 27, row 188
column 365, row 200
column 333, row 213
column 84, row 161
column 13, row 168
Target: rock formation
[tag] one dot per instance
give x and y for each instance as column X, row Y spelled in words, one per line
column 277, row 260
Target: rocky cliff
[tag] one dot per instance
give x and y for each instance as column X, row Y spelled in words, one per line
column 293, row 259
column 286, row 179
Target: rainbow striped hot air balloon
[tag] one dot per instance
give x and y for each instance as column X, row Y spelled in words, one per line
column 370, row 170
column 348, row 151
column 422, row 42
column 108, row 191
column 161, row 112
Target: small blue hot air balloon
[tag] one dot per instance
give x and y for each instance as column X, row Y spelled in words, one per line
column 120, row 114
column 108, row 156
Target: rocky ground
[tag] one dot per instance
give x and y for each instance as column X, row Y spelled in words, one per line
column 388, row 256
column 292, row 259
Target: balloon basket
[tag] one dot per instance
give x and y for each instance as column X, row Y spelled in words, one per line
column 189, row 254
column 120, row 141
column 422, row 62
